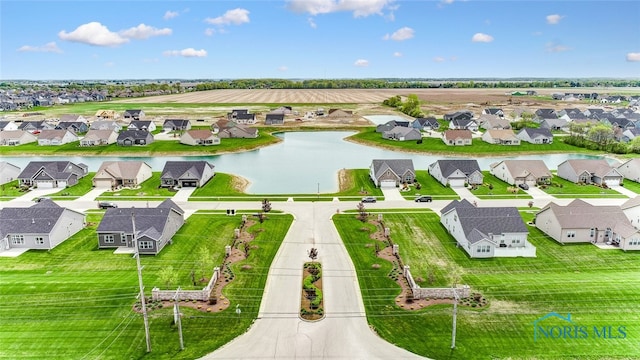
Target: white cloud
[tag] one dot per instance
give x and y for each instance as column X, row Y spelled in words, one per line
column 231, row 17
column 438, row 59
column 361, row 63
column 480, row 37
column 48, row 47
column 282, row 68
column 556, row 48
column 402, row 34
column 634, row 57
column 554, row 19
column 109, row 64
column 359, row 8
column 312, row 23
column 189, row 52
column 209, row 31
column 143, row 31
column 170, row 15
column 93, row 33
column 397, row 54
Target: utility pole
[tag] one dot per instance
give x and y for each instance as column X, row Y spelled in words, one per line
column 176, row 310
column 145, row 316
column 455, row 313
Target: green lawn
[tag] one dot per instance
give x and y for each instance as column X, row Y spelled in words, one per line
column 562, row 188
column 77, row 300
column 149, row 189
column 494, row 188
column 83, row 186
column 429, row 186
column 632, row 185
column 368, row 136
column 10, row 190
column 599, row 288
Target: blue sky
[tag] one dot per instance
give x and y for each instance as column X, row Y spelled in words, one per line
column 136, row 39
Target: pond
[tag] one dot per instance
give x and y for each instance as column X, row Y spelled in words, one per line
column 304, row 163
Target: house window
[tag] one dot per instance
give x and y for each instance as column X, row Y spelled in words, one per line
column 634, row 241
column 484, row 248
column 17, row 239
column 593, row 232
column 145, row 245
column 109, row 239
column 39, row 240
column 455, row 217
column 571, row 234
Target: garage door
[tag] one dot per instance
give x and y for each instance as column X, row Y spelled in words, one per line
column 189, row 184
column 45, row 185
column 612, row 181
column 104, row 183
column 388, row 183
column 456, row 182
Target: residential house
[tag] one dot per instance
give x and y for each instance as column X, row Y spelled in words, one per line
column 456, row 173
column 117, row 174
column 425, row 124
column 105, row 125
column 392, row 172
column 176, row 125
column 99, row 137
column 546, row 114
column 154, row 227
column 134, row 115
column 35, row 127
column 199, row 137
column 242, row 116
column 516, row 172
column 535, row 135
column 75, row 126
column 554, row 124
column 401, row 133
column 8, row 126
column 493, row 111
column 629, row 134
column 493, row 122
column 487, row 232
column 16, row 137
column 56, row 137
column 468, row 124
column 285, row 110
column 590, row 171
column 459, row 115
column 457, row 137
column 73, row 118
column 106, row 115
column 52, row 174
column 274, row 119
column 581, row 222
column 186, row 173
column 134, row 137
column 8, row 172
column 631, row 209
column 42, row 226
column 238, row 131
column 390, row 125
column 500, row 137
column 592, row 113
column 338, row 113
column 149, row 126
column 630, row 169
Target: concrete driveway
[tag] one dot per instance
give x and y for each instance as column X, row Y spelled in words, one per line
column 392, row 194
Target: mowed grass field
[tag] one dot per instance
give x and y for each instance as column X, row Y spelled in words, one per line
column 76, row 301
column 600, row 289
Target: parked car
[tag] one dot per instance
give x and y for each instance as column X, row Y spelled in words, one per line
column 107, row 204
column 41, row 198
column 523, row 186
column 368, row 199
column 424, row 198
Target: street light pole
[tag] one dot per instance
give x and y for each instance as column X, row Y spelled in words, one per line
column 145, row 316
column 455, row 313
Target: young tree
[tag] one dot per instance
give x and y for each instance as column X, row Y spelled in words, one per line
column 167, row 276
column 266, row 205
column 362, row 212
column 313, row 254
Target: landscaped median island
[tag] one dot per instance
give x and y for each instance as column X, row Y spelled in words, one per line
column 512, row 296
column 311, row 299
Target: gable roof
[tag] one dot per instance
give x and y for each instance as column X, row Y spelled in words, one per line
column 503, row 134
column 54, row 134
column 57, row 169
column 122, row 169
column 200, row 133
column 398, row 166
column 448, row 167
column 579, row 214
column 597, row 167
column 485, row 221
column 535, row 132
column 39, row 218
column 134, row 134
column 93, row 135
column 149, row 222
column 521, row 168
column 458, row 133
column 429, row 121
column 177, row 169
column 176, row 122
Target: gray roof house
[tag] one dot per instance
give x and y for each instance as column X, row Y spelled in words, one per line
column 535, row 136
column 142, row 125
column 16, row 137
column 463, row 123
column 425, row 124
column 392, row 172
column 493, row 111
column 105, row 125
column 390, row 125
column 493, row 122
column 75, row 126
column 73, row 117
column 41, row 226
column 459, row 115
column 241, row 116
column 52, row 174
column 99, row 137
column 554, row 124
column 134, row 137
column 456, row 173
column 186, row 173
column 239, row 132
column 56, row 137
column 630, row 169
column 487, row 232
column 176, row 125
column 116, row 174
column 133, row 114
column 8, row 125
column 590, row 171
column 401, row 133
column 34, row 126
column 581, row 222
column 515, row 172
column 274, row 119
column 154, row 227
column 8, row 172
